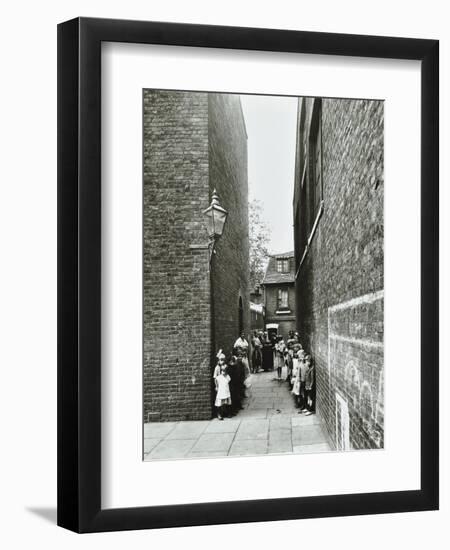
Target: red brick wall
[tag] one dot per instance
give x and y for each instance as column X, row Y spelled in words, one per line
column 340, row 283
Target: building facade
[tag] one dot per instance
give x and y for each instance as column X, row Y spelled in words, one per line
column 193, row 143
column 279, row 294
column 339, row 236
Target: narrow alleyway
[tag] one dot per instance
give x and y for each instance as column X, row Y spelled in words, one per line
column 268, row 424
column 269, row 397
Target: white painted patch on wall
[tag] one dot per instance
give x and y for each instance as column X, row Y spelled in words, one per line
column 342, row 424
column 368, row 406
column 369, row 298
column 379, row 407
column 359, row 300
column 352, row 381
column 359, row 341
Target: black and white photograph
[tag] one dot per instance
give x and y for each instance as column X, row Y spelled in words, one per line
column 226, row 257
column 263, row 274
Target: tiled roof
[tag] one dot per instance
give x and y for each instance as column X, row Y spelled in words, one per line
column 283, row 255
column 272, row 276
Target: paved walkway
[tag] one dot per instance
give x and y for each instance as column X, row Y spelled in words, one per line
column 268, row 424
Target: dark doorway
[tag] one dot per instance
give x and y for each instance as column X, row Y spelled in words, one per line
column 241, row 316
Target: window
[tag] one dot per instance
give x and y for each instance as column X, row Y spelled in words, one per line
column 283, row 299
column 342, row 424
column 283, row 266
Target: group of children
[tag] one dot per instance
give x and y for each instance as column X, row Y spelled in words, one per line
column 302, row 382
column 300, row 372
column 233, row 380
column 232, row 383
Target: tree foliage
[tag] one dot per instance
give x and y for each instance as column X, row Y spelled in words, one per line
column 258, row 239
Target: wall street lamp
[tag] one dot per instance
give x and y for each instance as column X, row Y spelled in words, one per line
column 215, row 217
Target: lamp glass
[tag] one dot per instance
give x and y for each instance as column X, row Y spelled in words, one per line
column 220, row 217
column 216, row 217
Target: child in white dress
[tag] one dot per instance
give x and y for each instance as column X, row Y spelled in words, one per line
column 223, row 395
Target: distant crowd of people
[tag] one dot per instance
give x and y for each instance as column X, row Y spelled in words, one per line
column 232, row 378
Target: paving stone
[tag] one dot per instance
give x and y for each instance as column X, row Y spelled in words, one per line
column 248, row 447
column 280, row 435
column 302, row 420
column 158, row 429
column 280, row 446
column 253, row 429
column 213, row 442
column 279, row 412
column 222, row 426
column 253, row 413
column 307, row 435
column 286, row 408
column 279, row 421
column 172, row 448
column 188, row 430
column 150, row 444
column 264, row 404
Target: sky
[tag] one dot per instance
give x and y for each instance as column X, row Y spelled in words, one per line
column 271, row 129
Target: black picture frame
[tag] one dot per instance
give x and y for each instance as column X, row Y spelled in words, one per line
column 79, row 274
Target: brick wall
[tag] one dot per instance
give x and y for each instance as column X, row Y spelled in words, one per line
column 187, row 151
column 228, row 175
column 176, row 282
column 340, row 283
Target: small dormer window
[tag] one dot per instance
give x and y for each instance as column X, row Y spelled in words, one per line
column 283, row 265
